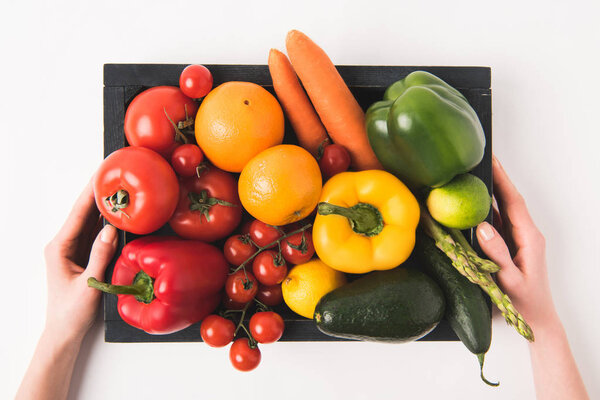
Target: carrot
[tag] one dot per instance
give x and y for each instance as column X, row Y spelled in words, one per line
column 342, row 116
column 305, row 121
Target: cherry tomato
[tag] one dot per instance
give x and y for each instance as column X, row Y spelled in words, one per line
column 209, row 207
column 266, row 327
column 241, row 286
column 185, row 159
column 238, row 248
column 335, row 159
column 269, row 295
column 242, row 356
column 269, row 268
column 262, row 234
column 230, row 304
column 147, row 118
column 217, row 331
column 195, row 81
column 136, row 190
column 298, row 248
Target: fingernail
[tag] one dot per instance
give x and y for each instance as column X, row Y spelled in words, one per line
column 496, row 163
column 485, row 231
column 108, row 234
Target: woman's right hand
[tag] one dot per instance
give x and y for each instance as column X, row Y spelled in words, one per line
column 519, row 248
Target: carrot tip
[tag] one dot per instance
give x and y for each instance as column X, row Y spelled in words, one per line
column 291, row 33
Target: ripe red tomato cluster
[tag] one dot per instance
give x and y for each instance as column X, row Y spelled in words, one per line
column 244, row 354
column 137, row 190
column 162, row 177
column 260, row 258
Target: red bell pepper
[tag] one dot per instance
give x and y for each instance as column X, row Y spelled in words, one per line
column 165, row 284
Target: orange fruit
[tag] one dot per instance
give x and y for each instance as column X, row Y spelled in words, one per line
column 235, row 122
column 281, row 185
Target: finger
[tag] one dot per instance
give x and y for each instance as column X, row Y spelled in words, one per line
column 495, row 248
column 496, row 217
column 85, row 242
column 516, row 221
column 83, row 214
column 102, row 252
column 510, row 202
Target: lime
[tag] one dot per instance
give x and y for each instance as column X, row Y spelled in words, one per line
column 462, row 203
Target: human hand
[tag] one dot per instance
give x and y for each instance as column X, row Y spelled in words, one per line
column 72, row 305
column 521, row 255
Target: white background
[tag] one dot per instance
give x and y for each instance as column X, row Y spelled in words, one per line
column 545, row 66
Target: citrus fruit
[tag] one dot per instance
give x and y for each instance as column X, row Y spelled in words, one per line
column 462, row 203
column 281, row 185
column 306, row 283
column 235, row 122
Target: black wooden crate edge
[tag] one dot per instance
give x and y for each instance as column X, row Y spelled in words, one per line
column 123, row 81
column 464, row 77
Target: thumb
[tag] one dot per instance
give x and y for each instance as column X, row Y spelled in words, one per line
column 102, row 252
column 495, row 248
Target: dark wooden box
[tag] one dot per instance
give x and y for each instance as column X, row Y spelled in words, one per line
column 123, row 81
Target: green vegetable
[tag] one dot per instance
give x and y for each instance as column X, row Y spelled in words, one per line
column 475, row 269
column 425, row 131
column 462, row 203
column 466, row 308
column 397, row 305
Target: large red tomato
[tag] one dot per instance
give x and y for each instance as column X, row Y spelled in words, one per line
column 147, row 121
column 209, row 208
column 136, row 190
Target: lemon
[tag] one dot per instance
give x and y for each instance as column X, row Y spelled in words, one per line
column 462, row 203
column 306, row 283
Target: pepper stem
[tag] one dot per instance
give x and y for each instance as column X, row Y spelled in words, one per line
column 364, row 218
column 142, row 287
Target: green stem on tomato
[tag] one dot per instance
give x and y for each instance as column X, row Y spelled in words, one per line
column 178, row 134
column 202, row 203
column 261, row 249
column 261, row 305
column 118, row 201
column 187, row 122
column 252, row 342
column 241, row 321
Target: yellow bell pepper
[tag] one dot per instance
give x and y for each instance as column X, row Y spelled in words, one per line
column 365, row 221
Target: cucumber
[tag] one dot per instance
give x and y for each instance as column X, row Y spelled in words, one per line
column 394, row 306
column 467, row 310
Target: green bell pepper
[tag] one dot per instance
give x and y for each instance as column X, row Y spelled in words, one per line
column 425, row 131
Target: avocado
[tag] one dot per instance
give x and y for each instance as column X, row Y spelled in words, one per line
column 393, row 306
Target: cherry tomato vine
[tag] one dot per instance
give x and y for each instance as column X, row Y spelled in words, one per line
column 277, row 242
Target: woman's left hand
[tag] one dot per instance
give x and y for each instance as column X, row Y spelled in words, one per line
column 79, row 251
